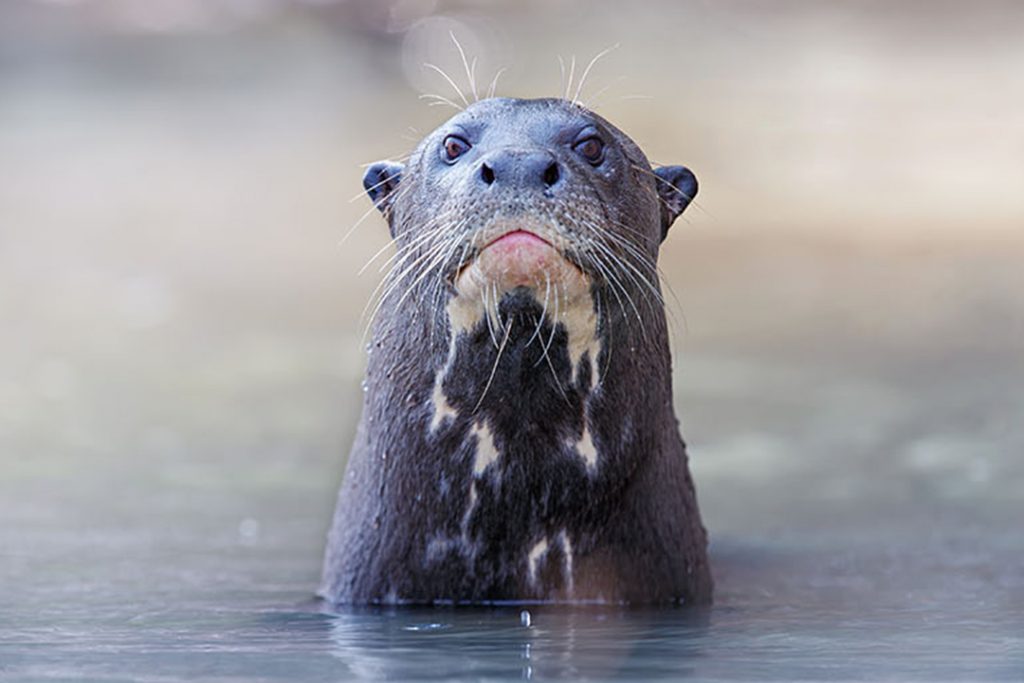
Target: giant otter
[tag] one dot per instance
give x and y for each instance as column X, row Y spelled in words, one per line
column 518, row 440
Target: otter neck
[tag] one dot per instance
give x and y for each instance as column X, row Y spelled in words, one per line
column 522, row 369
column 520, row 440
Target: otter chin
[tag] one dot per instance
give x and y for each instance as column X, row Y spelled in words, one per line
column 518, row 258
column 519, row 254
column 518, row 440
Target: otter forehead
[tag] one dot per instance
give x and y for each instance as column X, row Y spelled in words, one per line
column 509, row 121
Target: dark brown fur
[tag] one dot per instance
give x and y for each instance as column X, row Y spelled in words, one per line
column 415, row 523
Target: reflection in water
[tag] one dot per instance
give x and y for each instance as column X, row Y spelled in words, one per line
column 904, row 604
column 562, row 643
column 921, row 612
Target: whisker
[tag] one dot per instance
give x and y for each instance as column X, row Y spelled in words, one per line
column 551, row 365
column 572, row 71
column 591, row 102
column 403, row 252
column 692, row 200
column 406, row 251
column 432, row 257
column 494, row 83
column 380, row 183
column 631, row 248
column 438, row 260
column 497, row 304
column 440, row 100
column 494, row 370
column 603, row 270
column 386, row 288
column 610, row 334
column 586, row 72
column 637, row 279
column 656, row 274
column 616, row 282
column 643, row 259
column 373, row 258
column 375, row 206
column 450, row 81
column 398, row 159
column 551, row 337
column 544, row 312
column 488, row 315
column 470, row 76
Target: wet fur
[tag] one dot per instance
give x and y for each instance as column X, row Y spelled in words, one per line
column 414, row 522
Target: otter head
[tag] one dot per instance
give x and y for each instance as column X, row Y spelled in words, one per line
column 539, row 195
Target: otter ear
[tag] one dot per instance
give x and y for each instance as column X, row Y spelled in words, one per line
column 677, row 186
column 380, row 182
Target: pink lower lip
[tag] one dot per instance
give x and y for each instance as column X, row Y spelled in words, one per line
column 519, row 258
column 519, row 238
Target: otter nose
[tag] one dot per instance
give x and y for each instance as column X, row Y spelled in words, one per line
column 521, row 169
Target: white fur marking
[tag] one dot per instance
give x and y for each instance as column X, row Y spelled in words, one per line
column 469, row 509
column 585, row 447
column 580, row 322
column 486, row 451
column 463, row 315
column 439, row 546
column 533, row 560
column 567, row 550
column 442, row 408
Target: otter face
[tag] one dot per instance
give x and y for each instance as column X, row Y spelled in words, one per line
column 531, row 193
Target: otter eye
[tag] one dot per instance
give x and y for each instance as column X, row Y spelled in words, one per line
column 454, row 147
column 591, row 149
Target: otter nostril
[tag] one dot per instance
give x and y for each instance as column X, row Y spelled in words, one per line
column 551, row 174
column 486, row 174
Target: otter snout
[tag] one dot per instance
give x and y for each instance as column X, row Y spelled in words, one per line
column 520, row 170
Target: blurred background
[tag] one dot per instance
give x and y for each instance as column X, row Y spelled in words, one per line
column 179, row 312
